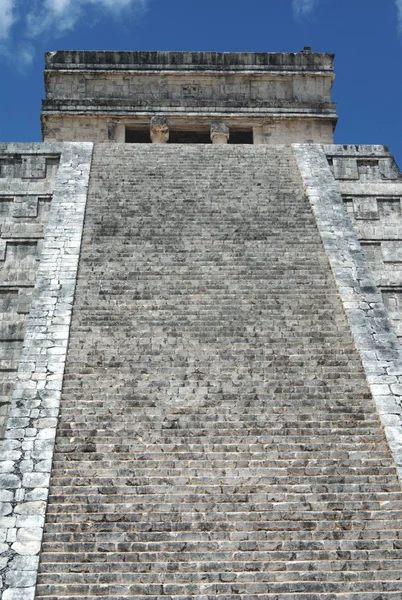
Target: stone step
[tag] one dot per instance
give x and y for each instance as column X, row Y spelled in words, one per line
column 145, row 495
column 219, row 435
column 250, row 424
column 126, row 451
column 281, row 539
column 218, row 589
column 281, row 437
column 225, row 417
column 246, row 402
column 377, row 593
column 195, row 477
column 273, row 573
column 297, row 571
column 257, row 539
column 226, row 510
column 181, row 420
column 205, row 466
column 219, row 522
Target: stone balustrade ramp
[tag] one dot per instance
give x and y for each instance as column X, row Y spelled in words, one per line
column 217, row 437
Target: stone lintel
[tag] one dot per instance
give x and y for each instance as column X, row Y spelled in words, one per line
column 121, row 109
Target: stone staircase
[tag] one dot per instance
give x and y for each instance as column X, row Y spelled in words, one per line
column 217, row 436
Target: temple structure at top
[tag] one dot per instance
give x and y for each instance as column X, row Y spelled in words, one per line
column 189, row 97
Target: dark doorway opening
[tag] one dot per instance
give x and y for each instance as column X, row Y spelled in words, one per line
column 142, row 136
column 189, row 137
column 138, row 136
column 242, row 136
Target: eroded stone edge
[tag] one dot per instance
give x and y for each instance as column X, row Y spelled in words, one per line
column 370, row 325
column 27, row 451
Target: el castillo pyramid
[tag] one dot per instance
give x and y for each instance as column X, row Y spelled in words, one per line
column 200, row 339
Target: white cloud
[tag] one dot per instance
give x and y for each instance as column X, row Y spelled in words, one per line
column 24, row 55
column 35, row 19
column 59, row 15
column 303, row 7
column 399, row 9
column 7, row 18
column 63, row 15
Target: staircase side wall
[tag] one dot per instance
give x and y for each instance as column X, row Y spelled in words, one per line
column 359, row 171
column 57, row 176
column 27, row 180
column 371, row 188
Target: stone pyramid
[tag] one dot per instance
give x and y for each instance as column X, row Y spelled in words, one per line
column 200, row 365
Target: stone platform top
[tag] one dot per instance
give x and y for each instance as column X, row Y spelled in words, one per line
column 304, row 60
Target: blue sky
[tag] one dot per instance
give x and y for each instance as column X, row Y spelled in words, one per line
column 365, row 35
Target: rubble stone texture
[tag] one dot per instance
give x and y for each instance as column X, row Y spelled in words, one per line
column 200, row 360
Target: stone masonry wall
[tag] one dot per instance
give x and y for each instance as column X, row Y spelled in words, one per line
column 371, row 187
column 38, row 183
column 191, row 90
column 27, row 180
column 370, row 324
column 293, row 131
column 76, row 129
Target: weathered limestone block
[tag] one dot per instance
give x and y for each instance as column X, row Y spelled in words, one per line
column 159, row 130
column 219, row 132
column 345, row 168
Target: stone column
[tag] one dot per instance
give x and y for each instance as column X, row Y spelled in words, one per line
column 159, row 130
column 120, row 133
column 219, row 132
column 111, row 131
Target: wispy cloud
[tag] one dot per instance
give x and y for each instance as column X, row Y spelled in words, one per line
column 63, row 15
column 302, row 8
column 399, row 10
column 7, row 17
column 23, row 22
